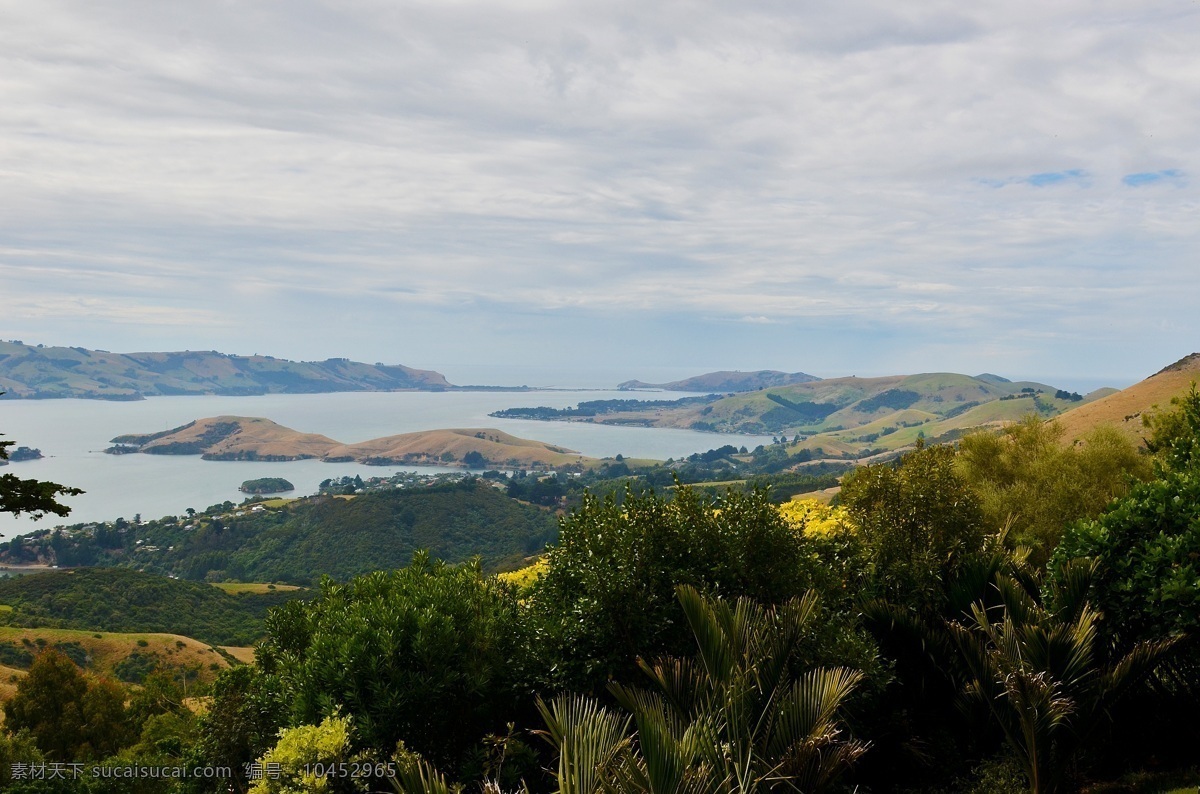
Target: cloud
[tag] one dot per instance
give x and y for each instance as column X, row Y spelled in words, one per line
column 300, row 173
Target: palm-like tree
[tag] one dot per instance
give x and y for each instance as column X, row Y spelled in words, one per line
column 734, row 719
column 1042, row 672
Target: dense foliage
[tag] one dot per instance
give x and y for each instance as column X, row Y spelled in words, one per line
column 1031, row 485
column 918, row 521
column 611, row 556
column 430, row 654
column 71, row 716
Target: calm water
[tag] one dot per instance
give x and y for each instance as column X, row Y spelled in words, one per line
column 73, row 433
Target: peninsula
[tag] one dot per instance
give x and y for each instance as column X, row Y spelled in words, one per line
column 256, row 438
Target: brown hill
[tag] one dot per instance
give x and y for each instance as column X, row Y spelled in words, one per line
column 440, row 447
column 255, row 438
column 1124, row 409
column 232, row 438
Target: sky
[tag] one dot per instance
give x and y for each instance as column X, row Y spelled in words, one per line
column 611, row 189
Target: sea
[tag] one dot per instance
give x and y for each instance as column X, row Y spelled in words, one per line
column 72, row 435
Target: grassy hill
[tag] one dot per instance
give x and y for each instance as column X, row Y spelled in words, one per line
column 494, row 448
column 255, row 438
column 850, row 417
column 230, row 438
column 34, row 371
column 1124, row 409
column 123, row 600
column 123, row 656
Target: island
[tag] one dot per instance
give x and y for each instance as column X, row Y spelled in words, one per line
column 25, row 453
column 256, row 438
column 266, row 485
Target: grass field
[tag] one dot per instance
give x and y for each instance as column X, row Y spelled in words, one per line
column 237, row 588
column 243, row 655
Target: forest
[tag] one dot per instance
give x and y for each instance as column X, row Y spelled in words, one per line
column 1007, row 613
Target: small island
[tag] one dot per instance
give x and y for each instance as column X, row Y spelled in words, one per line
column 266, row 485
column 20, row 454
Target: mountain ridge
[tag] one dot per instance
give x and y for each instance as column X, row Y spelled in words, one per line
column 725, row 381
column 40, row 372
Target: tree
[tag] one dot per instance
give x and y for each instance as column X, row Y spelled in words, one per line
column 739, row 716
column 431, row 654
column 917, row 520
column 608, row 594
column 35, row 497
column 1175, row 434
column 1031, row 486
column 1044, row 674
column 242, row 721
column 18, row 747
column 70, row 716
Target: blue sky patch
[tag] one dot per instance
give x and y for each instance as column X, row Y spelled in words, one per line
column 1173, row 175
column 1054, row 177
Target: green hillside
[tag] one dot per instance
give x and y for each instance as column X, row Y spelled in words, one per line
column 846, row 417
column 123, row 600
column 300, row 541
column 29, row 371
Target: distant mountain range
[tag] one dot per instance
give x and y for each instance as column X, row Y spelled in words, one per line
column 34, row 371
column 726, row 381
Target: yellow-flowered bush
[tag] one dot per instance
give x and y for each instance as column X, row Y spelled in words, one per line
column 524, row 578
column 816, row 518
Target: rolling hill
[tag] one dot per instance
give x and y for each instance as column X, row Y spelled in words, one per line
column 842, row 417
column 255, row 438
column 125, row 656
column 34, row 371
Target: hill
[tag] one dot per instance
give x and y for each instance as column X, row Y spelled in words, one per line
column 124, row 600
column 29, row 371
column 126, row 657
column 726, row 381
column 483, row 446
column 294, row 541
column 255, row 438
column 229, row 438
column 842, row 417
column 1124, row 409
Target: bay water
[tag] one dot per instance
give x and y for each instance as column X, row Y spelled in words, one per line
column 72, row 434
